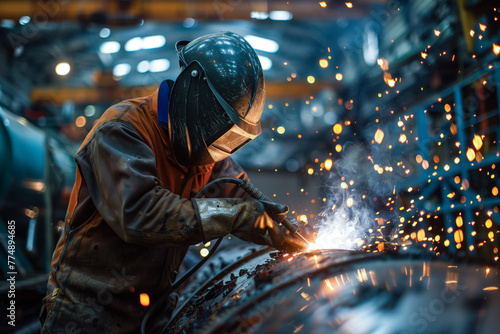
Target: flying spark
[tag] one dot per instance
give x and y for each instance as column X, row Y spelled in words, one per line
column 470, row 154
column 379, row 136
column 383, row 63
column 496, row 49
column 478, row 142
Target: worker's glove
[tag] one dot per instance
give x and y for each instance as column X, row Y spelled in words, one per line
column 247, row 219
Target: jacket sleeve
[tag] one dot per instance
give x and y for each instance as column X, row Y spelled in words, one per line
column 120, row 171
column 228, row 168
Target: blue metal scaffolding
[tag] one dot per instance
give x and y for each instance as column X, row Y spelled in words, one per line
column 450, row 150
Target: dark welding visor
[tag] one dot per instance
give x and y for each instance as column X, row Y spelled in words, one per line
column 203, row 128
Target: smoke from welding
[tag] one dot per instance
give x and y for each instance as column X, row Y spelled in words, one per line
column 359, row 203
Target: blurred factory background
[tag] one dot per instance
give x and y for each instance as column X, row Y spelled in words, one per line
column 391, row 106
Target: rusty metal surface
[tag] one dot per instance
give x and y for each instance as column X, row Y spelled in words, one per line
column 338, row 291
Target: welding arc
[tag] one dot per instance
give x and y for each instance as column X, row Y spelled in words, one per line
column 252, row 191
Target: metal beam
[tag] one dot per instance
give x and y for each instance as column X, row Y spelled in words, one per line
column 91, row 95
column 116, row 12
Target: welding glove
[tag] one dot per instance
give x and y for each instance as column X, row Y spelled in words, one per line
column 247, row 219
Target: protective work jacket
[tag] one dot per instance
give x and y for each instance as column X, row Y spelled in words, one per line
column 128, row 226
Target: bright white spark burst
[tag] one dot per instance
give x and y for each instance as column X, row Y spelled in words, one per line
column 343, row 229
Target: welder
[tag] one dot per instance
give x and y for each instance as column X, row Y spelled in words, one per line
column 132, row 214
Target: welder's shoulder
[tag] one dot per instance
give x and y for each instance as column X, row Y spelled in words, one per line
column 126, row 115
column 127, row 110
column 134, row 113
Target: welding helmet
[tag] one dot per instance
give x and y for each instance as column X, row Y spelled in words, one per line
column 217, row 100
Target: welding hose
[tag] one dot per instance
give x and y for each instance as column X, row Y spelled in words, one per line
column 252, row 191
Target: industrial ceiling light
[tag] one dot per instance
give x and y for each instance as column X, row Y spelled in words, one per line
column 259, row 15
column 7, row 24
column 24, row 20
column 104, row 33
column 148, row 42
column 89, row 110
column 280, row 15
column 121, row 69
column 266, row 63
column 153, row 42
column 189, row 22
column 110, row 47
column 143, row 66
column 134, row 44
column 159, row 65
column 262, row 44
column 63, row 68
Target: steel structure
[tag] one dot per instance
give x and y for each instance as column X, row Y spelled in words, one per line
column 447, row 150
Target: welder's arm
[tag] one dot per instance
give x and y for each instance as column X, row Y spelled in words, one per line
column 121, row 174
column 247, row 219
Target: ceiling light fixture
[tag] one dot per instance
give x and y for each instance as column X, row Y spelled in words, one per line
column 121, row 69
column 159, row 65
column 143, row 66
column 259, row 15
column 134, row 44
column 145, row 43
column 104, row 33
column 63, row 68
column 262, row 44
column 189, row 22
column 266, row 63
column 153, row 42
column 280, row 15
column 24, row 20
column 110, row 47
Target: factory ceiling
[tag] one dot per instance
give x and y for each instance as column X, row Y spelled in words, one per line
column 96, row 37
column 69, row 56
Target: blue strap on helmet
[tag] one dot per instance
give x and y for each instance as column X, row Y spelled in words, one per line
column 163, row 98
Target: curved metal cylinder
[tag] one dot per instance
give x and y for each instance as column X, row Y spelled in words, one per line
column 22, row 151
column 337, row 291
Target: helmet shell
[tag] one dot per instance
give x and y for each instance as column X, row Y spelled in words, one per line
column 219, row 91
column 233, row 72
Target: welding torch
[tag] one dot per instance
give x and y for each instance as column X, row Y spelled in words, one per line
column 279, row 219
column 260, row 196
